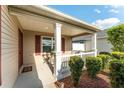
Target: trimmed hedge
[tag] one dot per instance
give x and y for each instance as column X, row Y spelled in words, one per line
column 118, row 55
column 105, row 53
column 76, row 64
column 117, row 73
column 105, row 59
column 93, row 65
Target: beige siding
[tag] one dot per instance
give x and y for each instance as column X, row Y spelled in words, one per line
column 88, row 45
column 29, row 45
column 9, row 45
column 103, row 45
column 68, row 44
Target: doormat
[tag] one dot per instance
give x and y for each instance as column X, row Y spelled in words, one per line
column 27, row 69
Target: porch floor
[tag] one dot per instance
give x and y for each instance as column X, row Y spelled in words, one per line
column 39, row 77
column 28, row 80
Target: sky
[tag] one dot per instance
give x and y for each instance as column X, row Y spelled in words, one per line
column 103, row 16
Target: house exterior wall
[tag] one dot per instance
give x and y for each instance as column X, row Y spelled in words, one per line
column 68, row 44
column 9, row 48
column 102, row 45
column 88, row 45
column 29, row 45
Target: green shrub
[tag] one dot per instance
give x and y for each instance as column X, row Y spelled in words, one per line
column 105, row 53
column 118, row 55
column 93, row 65
column 117, row 73
column 105, row 59
column 76, row 64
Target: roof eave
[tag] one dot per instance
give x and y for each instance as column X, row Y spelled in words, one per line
column 49, row 11
column 68, row 17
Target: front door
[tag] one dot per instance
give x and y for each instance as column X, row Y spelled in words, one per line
column 20, row 49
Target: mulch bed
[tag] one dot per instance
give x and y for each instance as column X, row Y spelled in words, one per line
column 101, row 81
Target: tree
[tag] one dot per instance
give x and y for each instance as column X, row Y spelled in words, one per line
column 116, row 37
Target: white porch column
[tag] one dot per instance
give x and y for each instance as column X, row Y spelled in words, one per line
column 94, row 43
column 57, row 49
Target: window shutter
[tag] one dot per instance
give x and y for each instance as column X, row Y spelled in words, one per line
column 37, row 44
column 63, row 44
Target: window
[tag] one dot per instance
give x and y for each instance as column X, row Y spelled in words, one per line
column 48, row 44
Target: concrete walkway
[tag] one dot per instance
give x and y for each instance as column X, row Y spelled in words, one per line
column 40, row 77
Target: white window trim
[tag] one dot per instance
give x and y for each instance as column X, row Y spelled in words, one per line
column 52, row 38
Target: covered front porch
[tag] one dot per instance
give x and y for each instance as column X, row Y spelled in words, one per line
column 47, row 37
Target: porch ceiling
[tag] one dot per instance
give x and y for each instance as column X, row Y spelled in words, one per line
column 33, row 24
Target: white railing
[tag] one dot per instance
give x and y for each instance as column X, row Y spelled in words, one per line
column 78, row 54
column 66, row 57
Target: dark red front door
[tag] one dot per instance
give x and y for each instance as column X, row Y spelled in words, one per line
column 37, row 44
column 20, row 48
